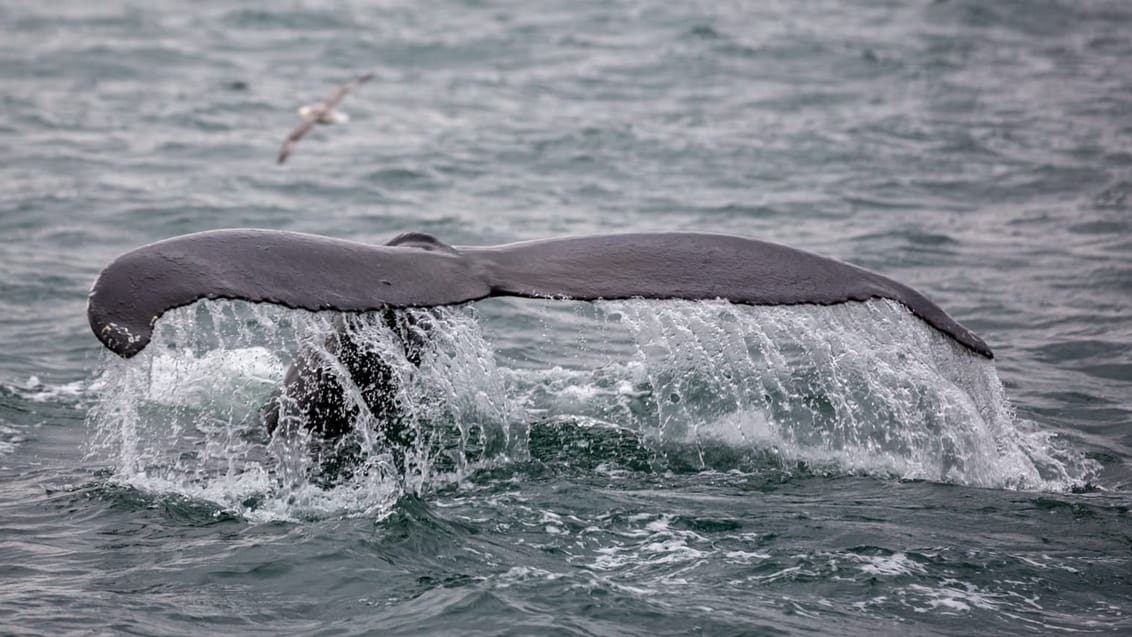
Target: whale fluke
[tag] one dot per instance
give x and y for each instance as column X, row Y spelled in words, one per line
column 417, row 270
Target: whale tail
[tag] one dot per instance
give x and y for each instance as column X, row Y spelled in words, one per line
column 416, row 270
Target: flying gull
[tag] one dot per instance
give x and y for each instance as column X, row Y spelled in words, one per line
column 322, row 112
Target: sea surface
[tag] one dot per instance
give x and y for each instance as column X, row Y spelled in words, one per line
column 618, row 468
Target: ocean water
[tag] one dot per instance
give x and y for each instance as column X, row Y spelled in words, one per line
column 617, row 468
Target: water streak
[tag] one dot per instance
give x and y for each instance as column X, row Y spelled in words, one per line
column 859, row 388
column 184, row 416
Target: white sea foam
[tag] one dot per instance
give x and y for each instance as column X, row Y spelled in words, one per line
column 886, row 565
column 656, row 542
column 37, row 391
column 951, row 596
column 10, row 439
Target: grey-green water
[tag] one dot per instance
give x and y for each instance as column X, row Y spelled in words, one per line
column 629, row 468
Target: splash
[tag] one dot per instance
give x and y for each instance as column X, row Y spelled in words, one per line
column 858, row 388
column 183, row 417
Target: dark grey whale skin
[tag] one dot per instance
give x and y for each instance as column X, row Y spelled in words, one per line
column 316, row 273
